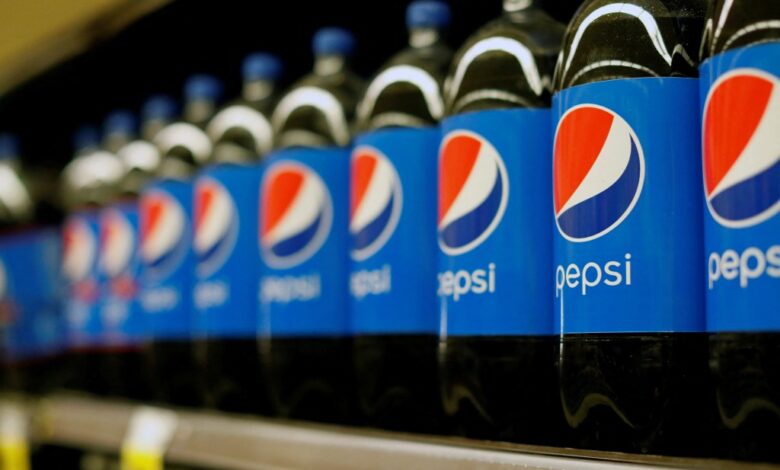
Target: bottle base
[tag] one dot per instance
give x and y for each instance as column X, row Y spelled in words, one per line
column 175, row 376
column 311, row 378
column 501, row 388
column 637, row 393
column 232, row 375
column 397, row 382
column 745, row 370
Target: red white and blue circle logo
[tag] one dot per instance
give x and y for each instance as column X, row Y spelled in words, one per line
column 296, row 213
column 117, row 242
column 79, row 249
column 163, row 228
column 216, row 225
column 473, row 191
column 375, row 201
column 598, row 172
column 741, row 148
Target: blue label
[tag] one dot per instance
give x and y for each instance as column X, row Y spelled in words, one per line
column 119, row 266
column 81, row 246
column 167, row 259
column 626, row 197
column 226, row 218
column 303, row 243
column 740, row 98
column 392, row 231
column 30, row 293
column 494, row 224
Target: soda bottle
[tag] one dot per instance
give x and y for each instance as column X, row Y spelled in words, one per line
column 226, row 218
column 627, row 233
column 740, row 79
column 167, row 257
column 497, row 348
column 29, row 271
column 124, row 367
column 88, row 182
column 393, row 242
column 306, row 346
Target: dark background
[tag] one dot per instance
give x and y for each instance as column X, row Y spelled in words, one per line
column 156, row 53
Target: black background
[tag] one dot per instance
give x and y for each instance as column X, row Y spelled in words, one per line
column 156, row 54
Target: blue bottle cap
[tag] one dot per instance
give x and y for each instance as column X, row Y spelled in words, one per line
column 333, row 41
column 120, row 121
column 9, row 146
column 202, row 87
column 261, row 66
column 428, row 14
column 85, row 136
column 158, row 107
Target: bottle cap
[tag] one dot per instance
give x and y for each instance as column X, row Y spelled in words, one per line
column 333, row 41
column 202, row 87
column 261, row 66
column 158, row 107
column 9, row 146
column 428, row 14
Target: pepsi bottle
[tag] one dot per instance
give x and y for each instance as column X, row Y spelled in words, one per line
column 392, row 236
column 167, row 257
column 89, row 182
column 30, row 314
column 305, row 340
column 124, row 366
column 740, row 79
column 627, row 231
column 226, row 218
column 497, row 347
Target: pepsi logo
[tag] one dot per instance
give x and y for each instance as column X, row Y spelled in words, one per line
column 473, row 191
column 375, row 201
column 117, row 242
column 741, row 148
column 79, row 249
column 216, row 225
column 598, row 172
column 296, row 213
column 163, row 227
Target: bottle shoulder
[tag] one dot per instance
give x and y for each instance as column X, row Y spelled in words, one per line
column 407, row 90
column 742, row 23
column 507, row 63
column 649, row 38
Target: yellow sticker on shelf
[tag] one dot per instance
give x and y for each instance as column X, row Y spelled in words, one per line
column 14, row 454
column 134, row 459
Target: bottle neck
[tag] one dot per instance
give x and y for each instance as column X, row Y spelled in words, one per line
column 330, row 64
column 151, row 127
column 198, row 112
column 424, row 37
column 513, row 6
column 257, row 90
column 116, row 140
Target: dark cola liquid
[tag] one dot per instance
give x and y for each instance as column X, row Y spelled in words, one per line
column 232, row 376
column 648, row 392
column 125, row 373
column 84, row 371
column 311, row 378
column 398, row 382
column 745, row 367
column 501, row 388
column 504, row 387
column 175, row 377
column 637, row 393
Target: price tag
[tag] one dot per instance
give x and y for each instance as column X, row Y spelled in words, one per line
column 14, row 451
column 148, row 435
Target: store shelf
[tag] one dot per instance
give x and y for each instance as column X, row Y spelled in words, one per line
column 223, row 441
